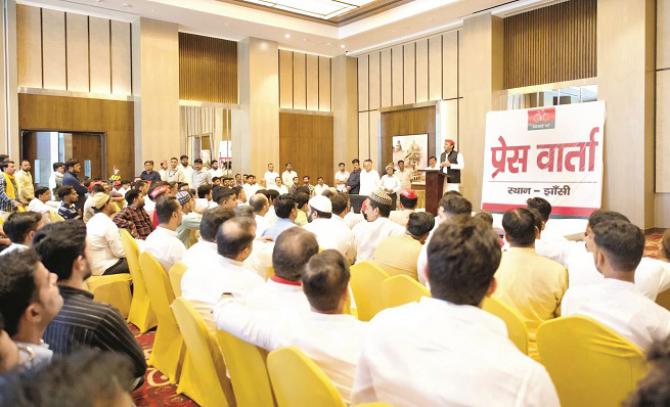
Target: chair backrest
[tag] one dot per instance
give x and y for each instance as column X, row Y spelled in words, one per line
column 401, row 289
column 288, row 366
column 248, row 371
column 366, row 283
column 589, row 364
column 158, row 287
column 516, row 329
column 203, row 354
column 176, row 273
column 663, row 299
column 133, row 257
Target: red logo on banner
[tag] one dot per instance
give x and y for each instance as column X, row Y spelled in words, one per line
column 542, row 119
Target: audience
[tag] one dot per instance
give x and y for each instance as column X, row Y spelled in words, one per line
column 104, row 242
column 9, row 352
column 329, row 232
column 531, row 284
column 327, row 335
column 399, row 254
column 368, row 235
column 260, row 205
column 617, row 248
column 445, row 350
column 408, row 201
column 24, row 183
column 190, row 221
column 133, row 217
column 205, row 249
column 39, row 203
column 68, row 199
column 20, row 227
column 163, row 242
column 654, row 389
column 286, row 211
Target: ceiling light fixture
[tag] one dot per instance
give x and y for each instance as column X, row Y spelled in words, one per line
column 287, row 36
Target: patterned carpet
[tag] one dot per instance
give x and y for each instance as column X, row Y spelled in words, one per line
column 157, row 391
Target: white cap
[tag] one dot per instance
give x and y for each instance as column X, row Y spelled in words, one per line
column 321, row 204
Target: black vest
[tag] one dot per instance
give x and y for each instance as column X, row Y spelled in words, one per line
column 453, row 176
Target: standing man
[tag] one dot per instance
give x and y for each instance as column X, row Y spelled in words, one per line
column 214, row 169
column 8, row 201
column 288, row 175
column 270, row 176
column 149, row 174
column 341, row 178
column 354, row 179
column 452, row 163
column 24, row 181
column 56, row 177
column 369, row 178
column 186, row 169
column 163, row 170
column 200, row 175
column 404, row 176
column 174, row 173
column 72, row 170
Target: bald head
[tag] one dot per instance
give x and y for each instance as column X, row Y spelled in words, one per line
column 293, row 249
column 260, row 204
column 235, row 238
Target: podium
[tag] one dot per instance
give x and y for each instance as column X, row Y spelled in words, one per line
column 434, row 187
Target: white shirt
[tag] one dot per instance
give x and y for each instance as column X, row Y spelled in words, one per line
column 352, row 219
column 215, row 173
column 188, row 174
column 38, row 206
column 165, row 246
column 342, row 177
column 390, row 183
column 250, row 190
column 13, row 247
column 200, row 250
column 401, row 216
column 281, row 189
column 433, row 353
column 369, row 182
column 368, row 235
column 261, row 224
column 210, row 277
column 405, row 177
column 260, row 259
column 176, row 175
column 149, row 206
column 200, row 177
column 276, row 297
column 333, row 233
column 287, row 177
column 104, row 243
column 202, row 204
column 621, row 307
column 334, row 341
column 318, row 189
column 269, row 178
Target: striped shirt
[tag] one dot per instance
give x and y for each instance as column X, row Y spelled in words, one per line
column 83, row 322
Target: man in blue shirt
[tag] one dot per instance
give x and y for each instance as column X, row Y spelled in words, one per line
column 286, row 211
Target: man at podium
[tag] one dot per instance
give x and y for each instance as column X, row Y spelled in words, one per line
column 452, row 163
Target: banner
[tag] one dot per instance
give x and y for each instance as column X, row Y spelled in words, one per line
column 555, row 153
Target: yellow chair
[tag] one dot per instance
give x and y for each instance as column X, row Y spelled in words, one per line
column 141, row 314
column 248, row 371
column 663, row 299
column 113, row 290
column 176, row 273
column 366, row 284
column 208, row 384
column 589, row 364
column 516, row 328
column 401, row 289
column 168, row 348
column 289, row 367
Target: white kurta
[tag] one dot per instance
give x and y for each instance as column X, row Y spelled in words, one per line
column 333, row 234
column 165, row 246
column 369, row 182
column 368, row 235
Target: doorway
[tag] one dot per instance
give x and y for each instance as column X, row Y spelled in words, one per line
column 43, row 148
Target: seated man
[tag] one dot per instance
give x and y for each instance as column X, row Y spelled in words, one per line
column 104, row 242
column 301, row 197
column 615, row 302
column 190, row 222
column 225, row 197
column 208, row 279
column 9, row 352
column 40, row 204
column 163, row 242
column 20, row 227
column 204, row 200
column 68, row 197
column 206, row 248
column 325, row 334
column 330, row 232
column 133, row 217
column 82, row 323
column 260, row 205
column 462, row 351
column 398, row 254
column 286, row 211
column 529, row 283
column 408, row 201
column 29, row 301
column 368, row 235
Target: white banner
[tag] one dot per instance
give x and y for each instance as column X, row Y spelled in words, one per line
column 555, row 153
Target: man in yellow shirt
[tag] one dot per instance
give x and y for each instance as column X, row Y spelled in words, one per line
column 532, row 284
column 24, row 182
column 399, row 254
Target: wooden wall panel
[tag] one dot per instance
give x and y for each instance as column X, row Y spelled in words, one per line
column 100, row 53
column 299, row 84
column 421, row 70
column 63, row 113
column 207, row 69
column 435, row 68
column 409, row 78
column 77, row 52
column 663, row 131
column 663, row 34
column 312, row 75
column 408, row 121
column 29, row 46
column 373, row 125
column 450, row 65
column 374, row 89
column 53, row 49
column 363, row 135
column 363, row 89
column 385, row 78
column 550, row 44
column 285, row 79
column 397, row 75
column 306, row 140
column 121, row 58
column 324, row 84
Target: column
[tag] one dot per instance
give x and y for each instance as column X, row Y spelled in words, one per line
column 345, row 115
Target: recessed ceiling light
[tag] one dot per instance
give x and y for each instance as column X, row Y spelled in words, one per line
column 329, row 44
column 343, row 46
column 287, row 36
column 126, row 5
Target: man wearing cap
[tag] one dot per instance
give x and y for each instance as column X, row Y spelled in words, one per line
column 330, row 233
column 408, row 200
column 452, row 163
column 190, row 222
column 106, row 255
column 368, row 235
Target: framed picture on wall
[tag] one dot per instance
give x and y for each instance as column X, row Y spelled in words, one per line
column 413, row 149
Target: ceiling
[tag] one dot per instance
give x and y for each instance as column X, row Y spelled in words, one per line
column 378, row 24
column 336, row 11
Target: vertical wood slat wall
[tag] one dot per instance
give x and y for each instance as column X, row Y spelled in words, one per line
column 550, row 44
column 304, row 82
column 663, row 96
column 72, row 52
column 207, row 69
